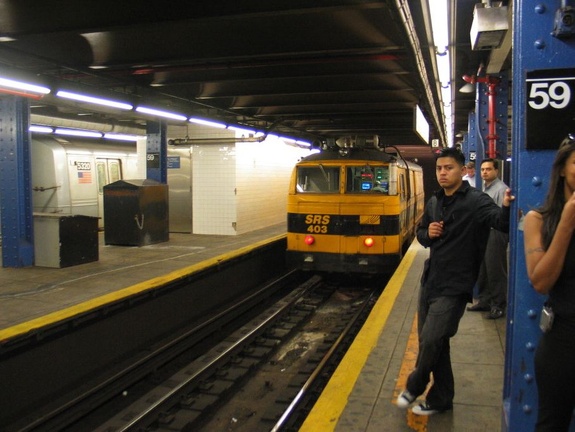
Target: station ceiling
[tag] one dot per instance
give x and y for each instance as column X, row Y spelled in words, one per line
column 311, row 69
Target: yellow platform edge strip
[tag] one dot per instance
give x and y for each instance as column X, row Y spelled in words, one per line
column 55, row 317
column 329, row 407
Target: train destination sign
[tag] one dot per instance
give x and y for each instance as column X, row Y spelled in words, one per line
column 550, row 107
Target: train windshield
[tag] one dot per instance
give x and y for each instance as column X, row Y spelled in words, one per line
column 367, row 179
column 318, row 179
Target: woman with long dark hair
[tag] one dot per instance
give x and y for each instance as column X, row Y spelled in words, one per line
column 550, row 259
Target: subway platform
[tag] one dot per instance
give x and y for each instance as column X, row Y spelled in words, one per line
column 361, row 395
column 30, row 296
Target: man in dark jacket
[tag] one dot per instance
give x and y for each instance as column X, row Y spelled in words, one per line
column 455, row 226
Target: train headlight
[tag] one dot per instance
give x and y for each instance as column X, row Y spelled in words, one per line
column 368, row 241
column 309, row 240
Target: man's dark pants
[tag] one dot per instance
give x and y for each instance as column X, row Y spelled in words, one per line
column 438, row 321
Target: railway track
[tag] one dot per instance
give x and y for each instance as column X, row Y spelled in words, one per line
column 261, row 370
column 269, row 383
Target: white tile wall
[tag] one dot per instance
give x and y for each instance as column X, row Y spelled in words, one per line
column 241, row 187
column 263, row 174
column 213, row 183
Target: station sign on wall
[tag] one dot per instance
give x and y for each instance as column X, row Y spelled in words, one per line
column 550, row 107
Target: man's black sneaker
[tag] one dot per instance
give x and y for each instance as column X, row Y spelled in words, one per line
column 495, row 313
column 424, row 409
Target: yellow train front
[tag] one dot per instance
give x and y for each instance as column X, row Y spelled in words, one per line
column 352, row 210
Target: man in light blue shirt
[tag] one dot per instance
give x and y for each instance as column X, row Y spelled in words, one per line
column 492, row 280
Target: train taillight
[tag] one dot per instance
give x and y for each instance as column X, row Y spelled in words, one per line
column 368, row 241
column 309, row 240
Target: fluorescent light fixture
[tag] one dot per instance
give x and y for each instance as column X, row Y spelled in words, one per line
column 161, row 113
column 440, row 24
column 94, row 100
column 303, row 143
column 240, row 129
column 40, row 129
column 444, row 70
column 121, row 137
column 78, row 132
column 207, row 123
column 440, row 28
column 5, row 82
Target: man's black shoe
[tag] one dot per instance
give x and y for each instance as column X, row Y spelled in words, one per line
column 495, row 313
column 478, row 307
column 424, row 409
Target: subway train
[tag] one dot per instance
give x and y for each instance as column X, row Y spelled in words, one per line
column 352, row 210
column 68, row 175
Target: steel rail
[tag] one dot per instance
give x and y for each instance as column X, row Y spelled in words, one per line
column 321, row 365
column 170, row 396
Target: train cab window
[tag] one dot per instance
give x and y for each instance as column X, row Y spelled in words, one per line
column 318, row 179
column 367, row 179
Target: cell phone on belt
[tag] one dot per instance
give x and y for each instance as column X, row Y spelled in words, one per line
column 547, row 317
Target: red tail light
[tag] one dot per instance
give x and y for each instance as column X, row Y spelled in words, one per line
column 368, row 241
column 309, row 240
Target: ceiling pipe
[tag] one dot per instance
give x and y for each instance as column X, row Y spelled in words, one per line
column 201, row 141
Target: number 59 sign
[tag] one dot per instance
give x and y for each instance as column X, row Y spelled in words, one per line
column 550, row 107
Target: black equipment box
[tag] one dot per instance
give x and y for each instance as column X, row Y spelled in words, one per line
column 64, row 241
column 136, row 213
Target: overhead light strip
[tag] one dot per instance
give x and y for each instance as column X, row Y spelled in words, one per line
column 40, row 129
column 207, row 123
column 78, row 132
column 440, row 29
column 19, row 85
column 406, row 18
column 84, row 133
column 160, row 113
column 122, row 137
column 94, row 100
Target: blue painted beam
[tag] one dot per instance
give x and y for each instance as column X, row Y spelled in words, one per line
column 157, row 152
column 15, row 183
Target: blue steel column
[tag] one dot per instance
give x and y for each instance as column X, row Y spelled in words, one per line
column 470, row 149
column 534, row 48
column 156, row 152
column 15, row 183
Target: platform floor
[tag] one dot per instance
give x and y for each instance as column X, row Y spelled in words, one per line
column 33, row 292
column 361, row 395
